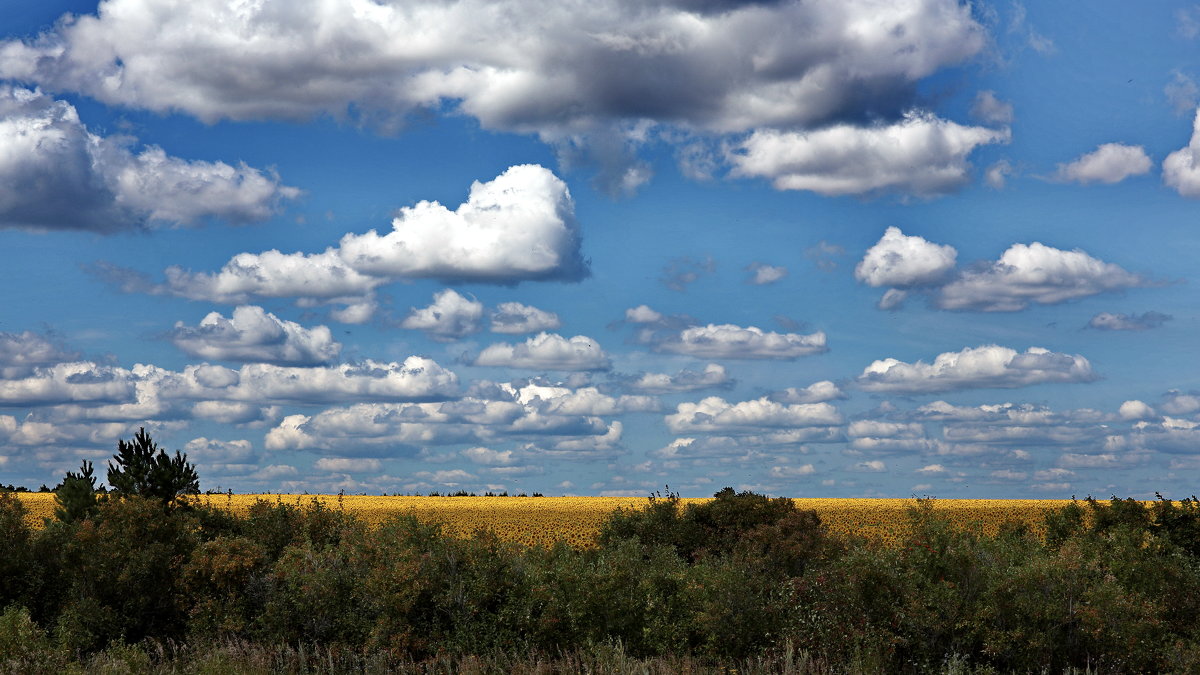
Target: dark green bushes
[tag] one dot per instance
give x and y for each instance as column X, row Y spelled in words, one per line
column 1114, row 587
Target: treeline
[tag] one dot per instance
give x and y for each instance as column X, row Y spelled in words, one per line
column 743, row 579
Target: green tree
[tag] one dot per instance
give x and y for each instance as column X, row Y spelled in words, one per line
column 144, row 469
column 76, row 497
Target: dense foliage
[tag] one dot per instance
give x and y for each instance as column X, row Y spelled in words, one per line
column 1114, row 586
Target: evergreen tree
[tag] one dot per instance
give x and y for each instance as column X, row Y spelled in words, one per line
column 76, row 496
column 142, row 468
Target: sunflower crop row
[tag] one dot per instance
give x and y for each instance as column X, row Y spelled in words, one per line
column 576, row 520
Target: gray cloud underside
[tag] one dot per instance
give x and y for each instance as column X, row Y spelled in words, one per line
column 57, row 175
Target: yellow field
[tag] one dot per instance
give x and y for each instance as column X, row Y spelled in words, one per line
column 543, row 520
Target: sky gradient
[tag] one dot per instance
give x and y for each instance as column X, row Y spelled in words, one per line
column 819, row 249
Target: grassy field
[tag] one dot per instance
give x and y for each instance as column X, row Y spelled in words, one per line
column 544, row 520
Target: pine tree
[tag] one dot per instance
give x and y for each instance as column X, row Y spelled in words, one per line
column 76, row 497
column 144, row 469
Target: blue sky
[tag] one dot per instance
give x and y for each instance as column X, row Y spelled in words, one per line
column 810, row 249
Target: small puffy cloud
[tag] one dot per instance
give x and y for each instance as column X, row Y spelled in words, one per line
column 207, row 451
column 785, row 472
column 904, row 261
column 716, row 414
column 727, row 341
column 1034, row 273
column 989, row 366
column 1182, row 93
column 679, row 273
column 713, row 375
column 1136, row 410
column 932, row 469
column 1144, row 321
column 919, row 155
column 450, row 317
column 447, row 477
column 1109, row 163
column 254, row 335
column 642, row 314
column 489, row 457
column 991, row 110
column 1179, row 403
column 816, row 392
column 519, row 226
column 996, row 175
column 56, row 175
column 765, row 274
column 347, row 465
column 21, row 352
column 547, row 351
column 871, row 466
column 1181, row 169
column 513, row 318
column 824, row 255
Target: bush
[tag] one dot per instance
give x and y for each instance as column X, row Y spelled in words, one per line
column 123, row 574
column 19, row 566
column 714, row 528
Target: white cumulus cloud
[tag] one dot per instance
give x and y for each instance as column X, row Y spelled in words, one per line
column 903, row 261
column 252, row 334
column 727, row 341
column 519, row 226
column 989, row 366
column 514, row 318
column 717, row 414
column 451, row 316
column 1109, row 163
column 920, row 155
column 1034, row 273
column 547, row 351
column 713, row 375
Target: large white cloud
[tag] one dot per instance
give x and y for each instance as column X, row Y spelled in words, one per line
column 901, row 260
column 1108, row 163
column 451, row 316
column 519, row 226
column 1181, row 169
column 252, row 334
column 727, row 341
column 920, row 155
column 976, row 367
column 56, row 175
column 715, row 414
column 547, row 351
column 1034, row 273
column 573, row 72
